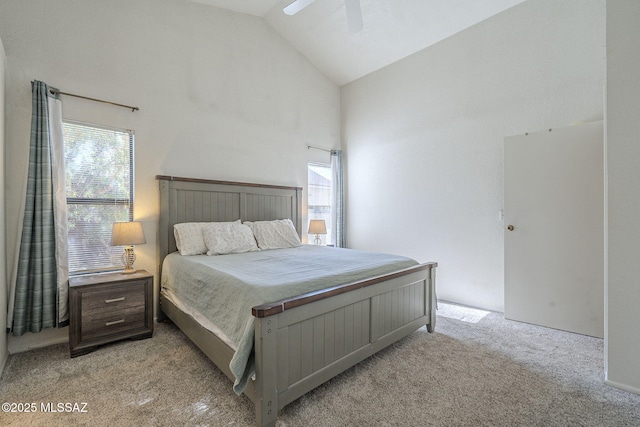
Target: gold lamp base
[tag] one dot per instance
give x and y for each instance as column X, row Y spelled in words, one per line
column 128, row 258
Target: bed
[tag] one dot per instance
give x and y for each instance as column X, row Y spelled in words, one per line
column 300, row 341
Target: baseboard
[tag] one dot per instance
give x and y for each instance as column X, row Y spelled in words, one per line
column 621, row 386
column 30, row 341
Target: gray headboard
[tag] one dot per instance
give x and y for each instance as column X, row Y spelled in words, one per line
column 199, row 200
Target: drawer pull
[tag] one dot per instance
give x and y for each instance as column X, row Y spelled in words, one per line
column 115, row 322
column 109, row 301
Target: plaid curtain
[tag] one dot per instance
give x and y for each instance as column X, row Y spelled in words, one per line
column 36, row 294
column 338, row 220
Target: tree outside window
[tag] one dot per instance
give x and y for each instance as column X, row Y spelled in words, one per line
column 99, row 182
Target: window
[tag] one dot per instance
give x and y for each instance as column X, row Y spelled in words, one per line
column 99, row 180
column 319, row 198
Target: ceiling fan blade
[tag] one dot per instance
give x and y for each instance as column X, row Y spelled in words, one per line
column 297, row 6
column 354, row 15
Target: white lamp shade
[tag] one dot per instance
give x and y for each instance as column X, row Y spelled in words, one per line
column 127, row 233
column 317, row 226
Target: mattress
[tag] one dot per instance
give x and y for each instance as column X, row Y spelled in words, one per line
column 220, row 290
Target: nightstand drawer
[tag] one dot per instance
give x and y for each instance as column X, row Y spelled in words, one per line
column 113, row 299
column 113, row 323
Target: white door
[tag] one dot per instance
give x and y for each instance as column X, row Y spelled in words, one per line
column 554, row 236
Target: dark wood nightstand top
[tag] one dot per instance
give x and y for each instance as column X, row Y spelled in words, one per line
column 104, row 278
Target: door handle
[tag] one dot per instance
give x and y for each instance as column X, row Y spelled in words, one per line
column 510, row 227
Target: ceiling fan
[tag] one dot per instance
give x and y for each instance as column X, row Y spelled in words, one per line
column 354, row 13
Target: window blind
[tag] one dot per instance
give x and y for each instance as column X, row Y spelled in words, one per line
column 319, row 200
column 99, row 187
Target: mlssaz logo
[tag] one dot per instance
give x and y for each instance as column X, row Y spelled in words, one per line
column 63, row 407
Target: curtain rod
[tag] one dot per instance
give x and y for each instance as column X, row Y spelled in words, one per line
column 311, row 147
column 55, row 91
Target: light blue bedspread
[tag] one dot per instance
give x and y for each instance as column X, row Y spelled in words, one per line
column 224, row 288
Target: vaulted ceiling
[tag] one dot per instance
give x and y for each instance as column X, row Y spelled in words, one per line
column 393, row 29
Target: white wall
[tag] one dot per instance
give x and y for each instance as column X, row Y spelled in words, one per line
column 3, row 265
column 622, row 339
column 424, row 136
column 221, row 95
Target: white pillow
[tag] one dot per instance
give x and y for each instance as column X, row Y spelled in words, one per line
column 228, row 238
column 275, row 234
column 189, row 238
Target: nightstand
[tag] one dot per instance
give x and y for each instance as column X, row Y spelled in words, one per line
column 108, row 307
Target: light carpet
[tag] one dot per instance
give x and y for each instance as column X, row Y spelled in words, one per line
column 492, row 372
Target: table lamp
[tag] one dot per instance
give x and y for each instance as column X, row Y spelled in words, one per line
column 317, row 227
column 127, row 234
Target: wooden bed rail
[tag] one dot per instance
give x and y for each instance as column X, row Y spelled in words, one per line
column 269, row 309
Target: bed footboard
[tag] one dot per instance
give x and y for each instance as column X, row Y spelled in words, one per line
column 298, row 349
